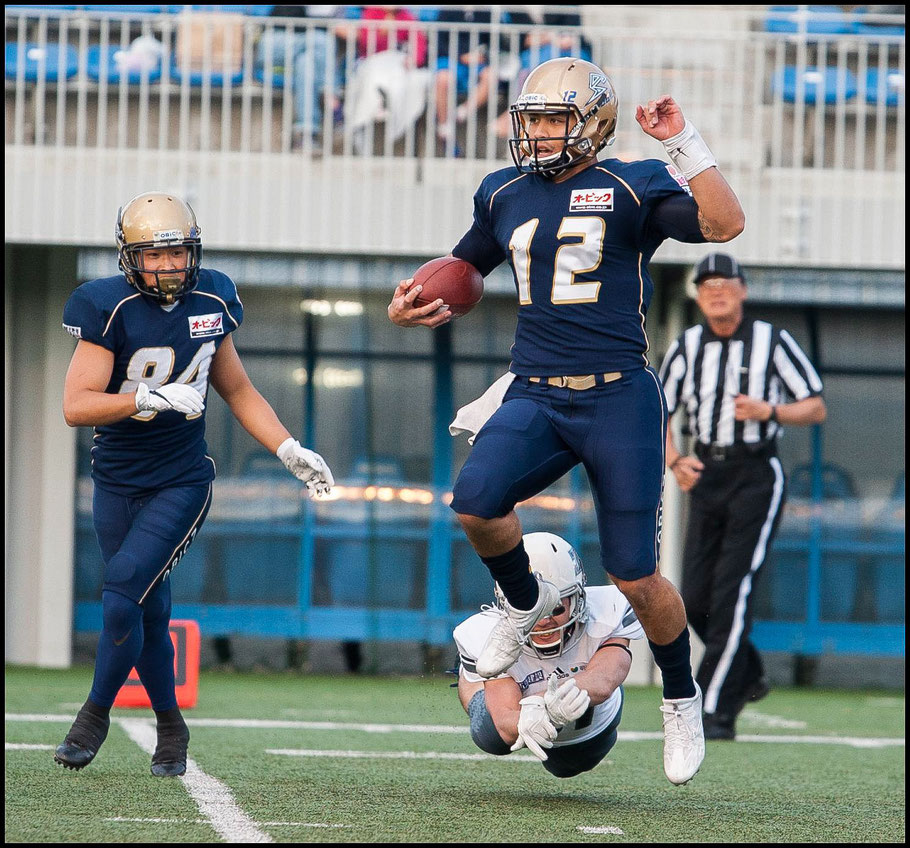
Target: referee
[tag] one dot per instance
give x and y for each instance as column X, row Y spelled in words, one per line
column 730, row 376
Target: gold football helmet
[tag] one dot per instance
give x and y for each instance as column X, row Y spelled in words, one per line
column 153, row 221
column 577, row 90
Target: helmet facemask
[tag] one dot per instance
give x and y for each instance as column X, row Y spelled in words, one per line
column 569, row 632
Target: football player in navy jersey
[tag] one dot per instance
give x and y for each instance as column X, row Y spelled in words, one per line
column 151, row 340
column 578, row 234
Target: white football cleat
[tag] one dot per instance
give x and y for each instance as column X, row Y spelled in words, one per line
column 684, row 737
column 504, row 644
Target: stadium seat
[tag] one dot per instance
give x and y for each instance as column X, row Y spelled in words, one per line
column 828, row 85
column 216, row 77
column 252, row 11
column 890, row 90
column 134, row 10
column 787, row 19
column 889, row 569
column 841, row 526
column 873, row 30
column 113, row 62
column 836, row 482
column 36, row 57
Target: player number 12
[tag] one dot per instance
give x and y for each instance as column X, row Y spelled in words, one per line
column 581, row 257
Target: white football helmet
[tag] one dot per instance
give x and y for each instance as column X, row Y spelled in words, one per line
column 579, row 92
column 556, row 561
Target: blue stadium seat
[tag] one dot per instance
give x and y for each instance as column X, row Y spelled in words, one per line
column 892, row 89
column 134, row 10
column 873, row 30
column 215, row 76
column 252, row 11
column 841, row 524
column 277, row 77
column 827, row 85
column 34, row 56
column 783, row 19
column 836, row 482
column 42, row 8
column 889, row 569
column 116, row 64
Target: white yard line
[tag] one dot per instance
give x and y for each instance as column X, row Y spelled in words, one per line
column 624, row 735
column 126, row 820
column 396, row 755
column 214, row 799
column 602, row 829
column 22, row 746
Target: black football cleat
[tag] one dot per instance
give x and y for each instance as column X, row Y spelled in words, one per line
column 169, row 759
column 88, row 732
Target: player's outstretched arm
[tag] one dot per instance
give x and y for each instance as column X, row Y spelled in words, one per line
column 607, row 669
column 255, row 414
column 720, row 215
column 403, row 312
column 85, row 401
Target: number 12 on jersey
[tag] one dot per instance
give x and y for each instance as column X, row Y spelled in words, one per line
column 581, row 257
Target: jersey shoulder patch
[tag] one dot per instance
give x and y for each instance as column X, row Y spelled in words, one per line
column 216, row 292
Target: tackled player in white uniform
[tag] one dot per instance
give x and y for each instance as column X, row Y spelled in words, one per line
column 562, row 698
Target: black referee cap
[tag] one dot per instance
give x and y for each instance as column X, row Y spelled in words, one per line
column 718, row 265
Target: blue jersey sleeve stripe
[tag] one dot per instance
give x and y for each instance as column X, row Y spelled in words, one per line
column 108, row 325
column 628, row 187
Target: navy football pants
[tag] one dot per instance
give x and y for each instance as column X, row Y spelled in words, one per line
column 617, row 431
column 141, row 540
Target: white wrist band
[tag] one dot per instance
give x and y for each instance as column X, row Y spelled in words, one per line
column 689, row 152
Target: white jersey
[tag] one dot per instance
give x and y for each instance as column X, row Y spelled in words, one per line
column 609, row 616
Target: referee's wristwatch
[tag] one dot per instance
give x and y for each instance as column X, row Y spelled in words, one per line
column 773, row 416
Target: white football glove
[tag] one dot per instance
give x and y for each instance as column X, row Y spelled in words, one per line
column 179, row 397
column 535, row 730
column 307, row 466
column 565, row 702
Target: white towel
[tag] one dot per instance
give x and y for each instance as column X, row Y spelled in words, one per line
column 472, row 417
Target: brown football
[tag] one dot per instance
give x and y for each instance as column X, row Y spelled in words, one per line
column 457, row 282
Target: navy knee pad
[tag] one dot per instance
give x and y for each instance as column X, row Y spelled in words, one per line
column 120, row 615
column 483, row 730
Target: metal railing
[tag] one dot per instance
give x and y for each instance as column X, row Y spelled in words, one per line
column 808, row 126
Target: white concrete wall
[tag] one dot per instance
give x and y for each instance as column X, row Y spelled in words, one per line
column 40, row 459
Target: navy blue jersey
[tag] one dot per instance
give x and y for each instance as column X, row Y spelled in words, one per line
column 579, row 251
column 154, row 450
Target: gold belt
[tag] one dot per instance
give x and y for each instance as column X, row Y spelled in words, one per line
column 587, row 381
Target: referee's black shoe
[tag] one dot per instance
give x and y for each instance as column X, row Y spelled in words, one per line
column 718, row 726
column 88, row 732
column 169, row 759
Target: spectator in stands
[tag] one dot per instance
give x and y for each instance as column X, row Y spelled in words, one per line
column 376, row 39
column 538, row 45
column 470, row 51
column 306, row 49
column 389, row 81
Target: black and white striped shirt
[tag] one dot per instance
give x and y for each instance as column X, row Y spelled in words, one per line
column 704, row 373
